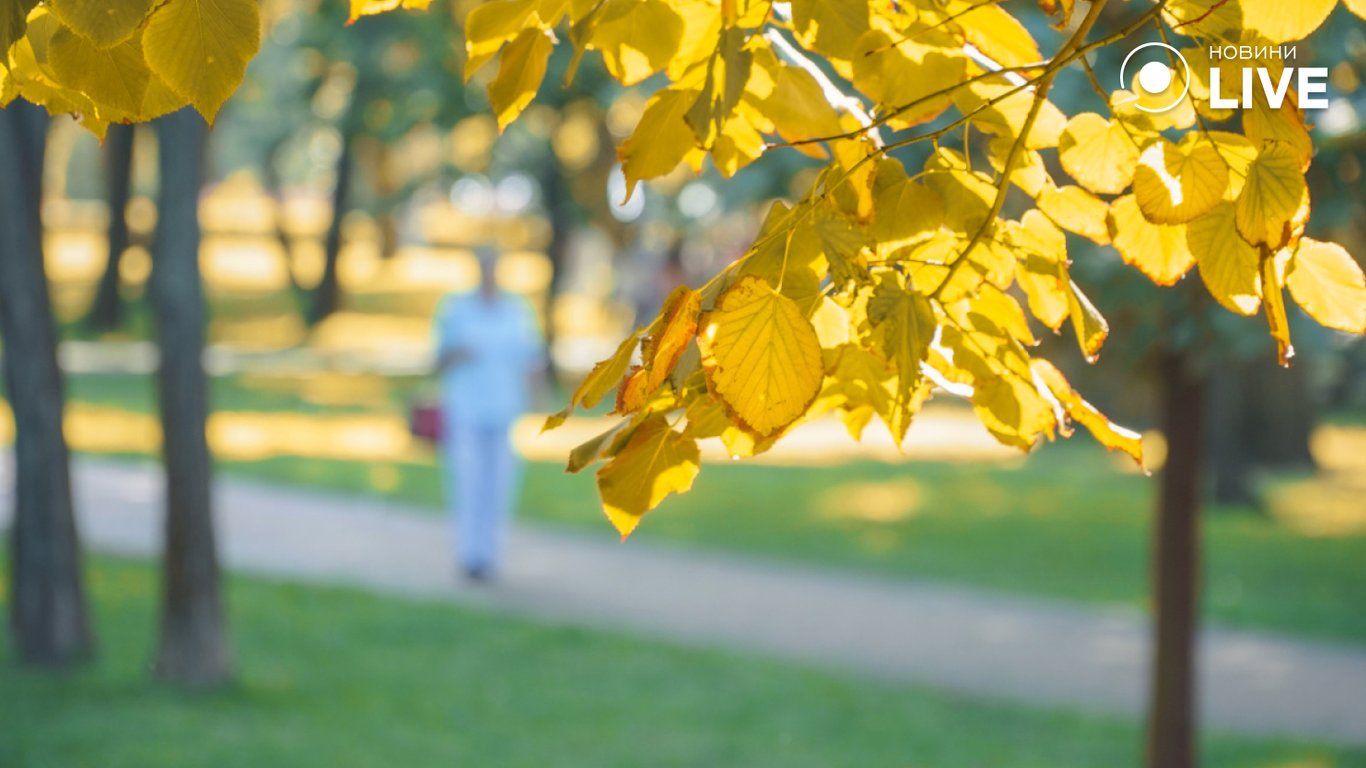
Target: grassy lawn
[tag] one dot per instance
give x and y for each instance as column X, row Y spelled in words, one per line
column 1065, row 523
column 337, row 678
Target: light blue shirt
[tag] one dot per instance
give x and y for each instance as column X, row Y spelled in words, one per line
column 501, row 337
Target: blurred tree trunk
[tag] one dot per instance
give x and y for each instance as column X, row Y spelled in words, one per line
column 106, row 312
column 1176, row 567
column 47, row 608
column 194, row 643
column 327, row 294
column 275, row 185
column 1261, row 417
column 559, row 207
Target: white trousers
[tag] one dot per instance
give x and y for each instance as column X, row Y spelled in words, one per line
column 481, row 484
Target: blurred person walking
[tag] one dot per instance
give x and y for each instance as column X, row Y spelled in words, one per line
column 489, row 359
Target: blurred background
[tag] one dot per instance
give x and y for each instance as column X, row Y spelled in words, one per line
column 347, row 183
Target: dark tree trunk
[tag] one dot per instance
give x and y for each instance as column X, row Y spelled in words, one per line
column 1261, row 417
column 106, row 312
column 47, row 605
column 1176, row 568
column 327, row 294
column 559, row 207
column 275, row 185
column 194, row 643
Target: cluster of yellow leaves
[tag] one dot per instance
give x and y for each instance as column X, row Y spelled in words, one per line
column 122, row 61
column 878, row 287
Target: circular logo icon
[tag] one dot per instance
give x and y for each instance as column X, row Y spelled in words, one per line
column 1155, row 78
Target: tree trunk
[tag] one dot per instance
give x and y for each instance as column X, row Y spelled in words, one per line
column 194, row 643
column 559, row 207
column 47, row 605
column 327, row 294
column 1176, row 568
column 106, row 312
column 1261, row 416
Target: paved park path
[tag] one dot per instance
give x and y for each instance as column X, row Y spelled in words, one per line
column 963, row 640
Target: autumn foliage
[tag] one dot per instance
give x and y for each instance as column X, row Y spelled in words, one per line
column 885, row 282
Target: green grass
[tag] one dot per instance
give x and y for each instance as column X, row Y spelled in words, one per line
column 337, row 678
column 1064, row 524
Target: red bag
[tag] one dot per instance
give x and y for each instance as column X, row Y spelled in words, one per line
column 425, row 422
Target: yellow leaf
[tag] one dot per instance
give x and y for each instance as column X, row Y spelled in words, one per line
column 1173, row 186
column 727, row 73
column 601, row 446
column 491, row 25
column 671, row 334
column 1030, row 174
column 794, row 101
column 200, row 48
column 1006, row 114
column 791, row 257
column 114, row 78
column 738, row 145
column 160, row 100
column 1328, row 283
column 1076, row 210
column 1236, row 151
column 906, row 213
column 1277, row 21
column 995, row 32
column 361, row 8
column 602, row 379
column 1228, row 265
column 1272, row 197
column 901, row 75
column 654, row 463
column 1263, row 124
column 1159, row 251
column 761, row 355
column 519, row 74
column 1087, row 322
column 102, row 23
column 637, row 37
column 967, row 195
column 1098, row 153
column 1005, row 397
column 1003, row 312
column 634, row 392
column 856, row 159
column 905, row 322
column 662, row 138
column 833, row 29
column 1042, row 271
column 1356, row 6
column 1273, row 302
column 1107, row 433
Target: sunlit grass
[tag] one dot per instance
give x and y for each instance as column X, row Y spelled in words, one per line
column 336, row 678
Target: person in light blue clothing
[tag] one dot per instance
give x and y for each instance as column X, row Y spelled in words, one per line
column 489, row 359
